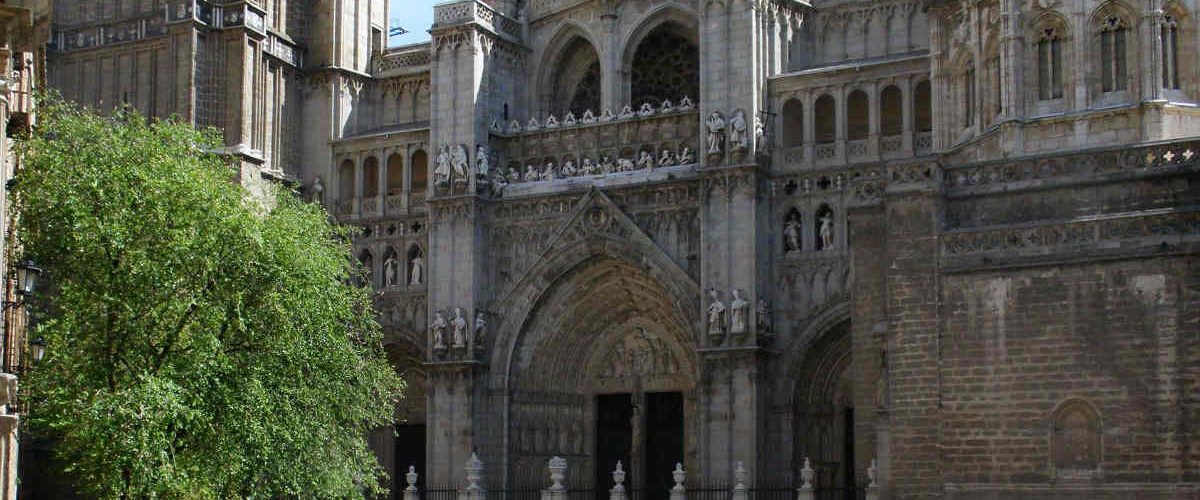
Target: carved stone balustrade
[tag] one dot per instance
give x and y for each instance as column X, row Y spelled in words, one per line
column 454, row 13
column 400, row 61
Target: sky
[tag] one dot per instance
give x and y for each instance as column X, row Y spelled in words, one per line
column 416, row 16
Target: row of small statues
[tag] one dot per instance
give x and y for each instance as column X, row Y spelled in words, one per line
column 588, row 118
column 458, row 328
column 391, row 271
column 738, row 130
column 645, row 161
column 737, row 314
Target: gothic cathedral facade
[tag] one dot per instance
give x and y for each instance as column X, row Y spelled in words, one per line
column 948, row 246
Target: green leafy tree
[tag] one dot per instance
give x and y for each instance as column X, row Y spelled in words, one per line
column 202, row 344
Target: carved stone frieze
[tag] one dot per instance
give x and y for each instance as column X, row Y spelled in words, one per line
column 1120, row 232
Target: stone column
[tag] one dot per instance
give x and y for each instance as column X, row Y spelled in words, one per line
column 874, row 116
column 907, row 118
column 840, row 125
column 810, row 124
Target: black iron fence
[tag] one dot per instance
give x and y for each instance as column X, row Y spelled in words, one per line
column 695, row 491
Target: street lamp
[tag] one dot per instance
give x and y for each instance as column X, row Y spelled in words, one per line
column 39, row 349
column 27, row 275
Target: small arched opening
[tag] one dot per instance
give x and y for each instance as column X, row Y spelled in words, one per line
column 793, row 123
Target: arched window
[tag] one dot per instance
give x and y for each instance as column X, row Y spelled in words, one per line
column 1049, row 64
column 793, row 123
column 395, row 174
column 1076, row 437
column 1169, row 37
column 858, row 116
column 968, row 85
column 370, row 177
column 923, row 107
column 419, row 175
column 1112, row 54
column 665, row 66
column 826, row 119
column 892, row 110
column 346, row 180
column 576, row 84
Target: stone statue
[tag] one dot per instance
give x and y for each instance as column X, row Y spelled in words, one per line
column 686, row 157
column 460, row 328
column 791, row 234
column 482, row 162
column 548, row 173
column 645, row 160
column 438, row 328
column 568, row 169
column 716, row 314
column 738, row 132
column 627, row 112
column 531, row 174
column 589, row 117
column 606, row 165
column 416, row 269
column 760, row 133
column 827, row 231
column 738, row 308
column 514, row 175
column 762, row 315
column 389, row 272
column 625, row 165
column 569, row 119
column 686, row 103
column 589, row 168
column 666, row 158
column 498, row 185
column 441, row 173
column 480, row 330
column 458, row 160
column 716, row 132
column 318, row 191
column 647, row 110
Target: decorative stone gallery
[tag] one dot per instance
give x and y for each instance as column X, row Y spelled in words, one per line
column 908, row 249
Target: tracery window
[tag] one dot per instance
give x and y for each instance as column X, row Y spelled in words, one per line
column 576, row 83
column 1169, row 36
column 1049, row 64
column 665, row 66
column 1112, row 54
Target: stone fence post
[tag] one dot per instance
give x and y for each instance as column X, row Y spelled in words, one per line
column 679, row 491
column 872, row 487
column 740, row 492
column 618, row 490
column 558, row 470
column 473, row 490
column 805, row 492
column 410, row 493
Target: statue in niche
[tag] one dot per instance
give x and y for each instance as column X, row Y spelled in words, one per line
column 762, row 315
column 588, row 117
column 318, row 191
column 646, row 110
column 458, row 160
column 792, row 230
column 686, row 104
column 667, row 107
column 738, row 308
column 569, row 120
column 531, row 174
column 480, row 330
column 416, row 269
column 666, row 158
column 441, row 173
column 548, row 173
column 645, row 161
column 460, row 328
column 627, row 112
column 716, row 314
column 826, row 231
column 569, row 169
column 716, row 132
column 438, row 328
column 390, row 266
column 607, row 115
column 589, row 168
column 686, row 157
column 760, row 133
column 482, row 162
column 738, row 132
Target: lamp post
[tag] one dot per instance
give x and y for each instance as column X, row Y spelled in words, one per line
column 39, row 349
column 27, row 276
